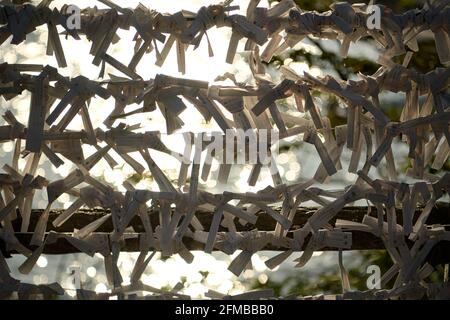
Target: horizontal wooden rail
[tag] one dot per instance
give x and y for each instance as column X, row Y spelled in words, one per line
column 360, row 240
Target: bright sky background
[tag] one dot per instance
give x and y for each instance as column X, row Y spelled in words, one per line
column 199, row 66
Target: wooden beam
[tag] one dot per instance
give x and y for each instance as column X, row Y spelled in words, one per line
column 361, row 240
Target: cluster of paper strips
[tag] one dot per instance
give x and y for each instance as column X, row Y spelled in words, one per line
column 368, row 132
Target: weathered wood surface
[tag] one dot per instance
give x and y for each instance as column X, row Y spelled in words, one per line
column 360, row 240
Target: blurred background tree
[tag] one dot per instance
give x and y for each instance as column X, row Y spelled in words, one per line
column 299, row 283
